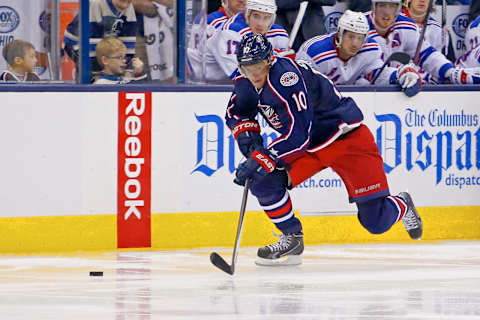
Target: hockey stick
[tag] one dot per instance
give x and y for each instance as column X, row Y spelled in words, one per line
column 444, row 26
column 401, row 57
column 215, row 258
column 416, row 58
column 298, row 21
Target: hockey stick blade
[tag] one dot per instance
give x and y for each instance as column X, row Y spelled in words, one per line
column 400, row 57
column 220, row 263
column 215, row 258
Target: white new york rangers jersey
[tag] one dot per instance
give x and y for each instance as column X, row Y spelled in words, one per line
column 472, row 35
column 323, row 55
column 470, row 59
column 402, row 36
column 201, row 31
column 221, row 50
column 433, row 34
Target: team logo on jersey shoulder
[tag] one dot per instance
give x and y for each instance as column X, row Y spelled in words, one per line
column 289, row 79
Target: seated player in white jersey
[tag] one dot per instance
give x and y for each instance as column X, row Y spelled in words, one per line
column 416, row 10
column 220, row 58
column 472, row 34
column 347, row 57
column 395, row 32
column 471, row 59
column 203, row 30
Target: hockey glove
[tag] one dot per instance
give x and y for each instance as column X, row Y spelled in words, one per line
column 247, row 134
column 257, row 166
column 464, row 75
column 409, row 79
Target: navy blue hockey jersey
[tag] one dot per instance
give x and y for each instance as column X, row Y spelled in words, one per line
column 301, row 104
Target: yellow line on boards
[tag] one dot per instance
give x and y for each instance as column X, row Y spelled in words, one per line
column 176, row 231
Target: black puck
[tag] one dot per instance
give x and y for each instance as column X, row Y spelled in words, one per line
column 96, row 273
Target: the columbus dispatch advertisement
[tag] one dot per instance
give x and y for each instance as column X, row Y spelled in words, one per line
column 430, row 146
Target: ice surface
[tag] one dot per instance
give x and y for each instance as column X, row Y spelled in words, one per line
column 418, row 280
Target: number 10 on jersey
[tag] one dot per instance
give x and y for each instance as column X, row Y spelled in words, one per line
column 300, row 100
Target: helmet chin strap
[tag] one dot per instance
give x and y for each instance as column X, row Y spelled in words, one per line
column 338, row 41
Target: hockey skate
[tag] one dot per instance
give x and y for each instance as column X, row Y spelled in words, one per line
column 411, row 220
column 287, row 251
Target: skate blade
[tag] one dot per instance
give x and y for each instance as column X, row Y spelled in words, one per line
column 283, row 261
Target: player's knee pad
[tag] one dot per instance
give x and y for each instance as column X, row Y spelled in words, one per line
column 373, row 216
column 270, row 186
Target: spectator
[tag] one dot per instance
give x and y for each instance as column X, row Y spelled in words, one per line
column 107, row 18
column 221, row 49
column 155, row 38
column 111, row 55
column 313, row 23
column 21, row 58
column 347, row 57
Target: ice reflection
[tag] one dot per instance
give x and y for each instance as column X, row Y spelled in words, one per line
column 409, row 281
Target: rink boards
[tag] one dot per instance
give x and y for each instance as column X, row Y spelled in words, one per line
column 108, row 170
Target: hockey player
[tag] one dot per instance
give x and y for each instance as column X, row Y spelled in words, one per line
column 395, row 32
column 107, row 18
column 318, row 129
column 201, row 33
column 471, row 58
column 416, row 10
column 228, row 9
column 221, row 49
column 347, row 57
column 472, row 34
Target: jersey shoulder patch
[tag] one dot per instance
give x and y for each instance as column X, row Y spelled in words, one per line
column 289, row 79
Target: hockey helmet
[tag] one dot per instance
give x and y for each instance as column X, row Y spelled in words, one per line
column 267, row 6
column 354, row 22
column 253, row 48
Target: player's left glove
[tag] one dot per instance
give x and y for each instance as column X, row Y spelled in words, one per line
column 258, row 165
column 409, row 79
column 464, row 75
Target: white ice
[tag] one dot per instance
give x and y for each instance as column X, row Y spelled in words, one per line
column 419, row 280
